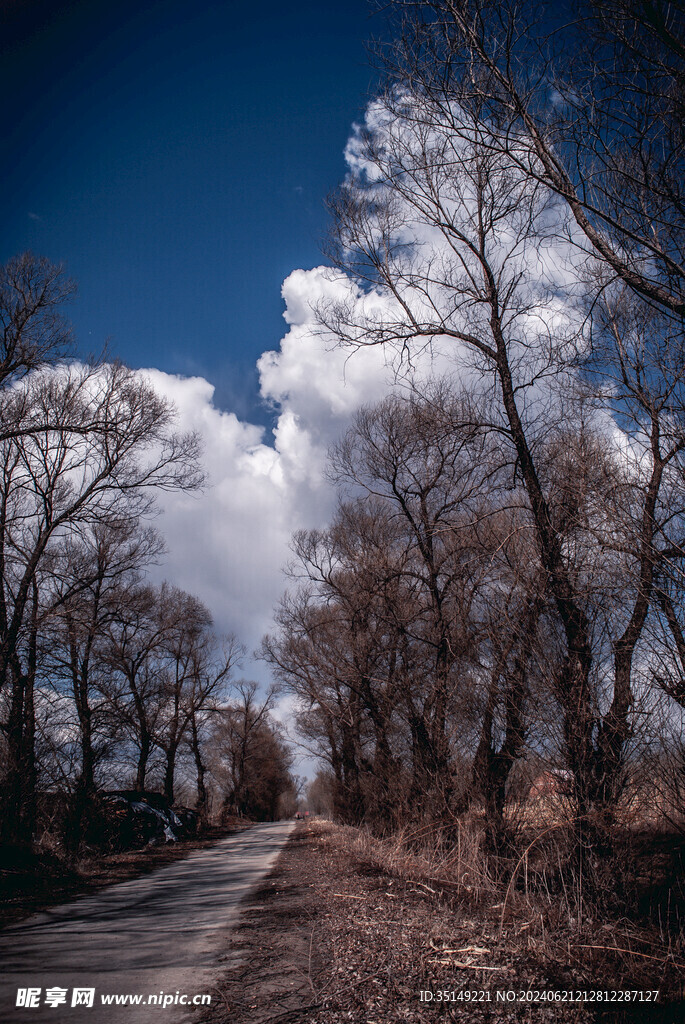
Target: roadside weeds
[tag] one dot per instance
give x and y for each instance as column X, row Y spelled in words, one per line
column 339, row 932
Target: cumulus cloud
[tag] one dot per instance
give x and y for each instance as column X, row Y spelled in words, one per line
column 226, row 544
column 229, row 545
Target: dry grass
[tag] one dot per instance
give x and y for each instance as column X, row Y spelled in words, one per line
column 349, row 929
column 438, row 914
column 423, row 854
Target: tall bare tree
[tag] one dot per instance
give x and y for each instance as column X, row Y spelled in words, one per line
column 92, row 577
column 213, row 662
column 91, row 445
column 586, row 98
column 466, row 241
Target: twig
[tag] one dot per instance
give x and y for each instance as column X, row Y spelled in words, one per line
column 470, row 966
column 631, row 952
column 426, row 886
column 464, row 949
column 309, row 968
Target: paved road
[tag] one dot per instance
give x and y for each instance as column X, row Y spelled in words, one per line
column 159, row 934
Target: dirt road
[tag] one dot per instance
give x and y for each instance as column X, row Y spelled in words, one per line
column 160, row 935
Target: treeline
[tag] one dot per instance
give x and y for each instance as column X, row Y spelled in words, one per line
column 106, row 681
column 421, row 638
column 500, row 592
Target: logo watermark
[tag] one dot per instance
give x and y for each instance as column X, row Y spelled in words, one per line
column 55, row 996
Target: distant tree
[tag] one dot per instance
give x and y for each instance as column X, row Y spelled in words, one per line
column 251, row 762
column 212, row 665
column 335, row 649
column 320, row 794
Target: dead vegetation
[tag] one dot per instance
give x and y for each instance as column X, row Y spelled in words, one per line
column 471, row 923
column 353, row 928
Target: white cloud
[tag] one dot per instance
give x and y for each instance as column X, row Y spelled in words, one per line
column 229, row 545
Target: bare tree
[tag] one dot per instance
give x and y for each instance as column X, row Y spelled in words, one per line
column 212, row 665
column 92, row 577
column 341, row 648
column 510, row 617
column 427, row 461
column 135, row 689
column 251, row 762
column 182, row 622
column 194, row 667
column 586, row 99
column 34, row 331
column 485, row 271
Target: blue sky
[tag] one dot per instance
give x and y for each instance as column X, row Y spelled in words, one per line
column 176, row 156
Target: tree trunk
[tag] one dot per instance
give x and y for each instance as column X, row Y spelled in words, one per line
column 201, row 803
column 170, row 771
column 143, row 757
